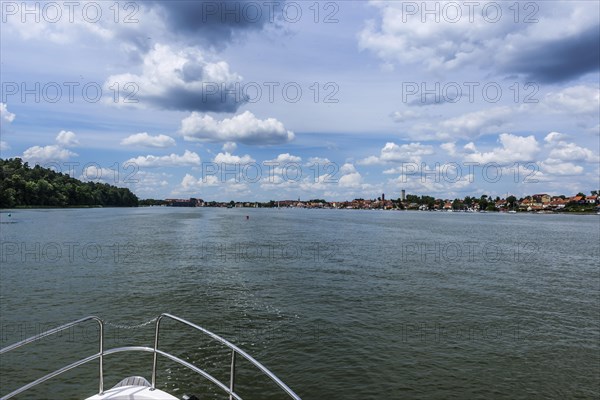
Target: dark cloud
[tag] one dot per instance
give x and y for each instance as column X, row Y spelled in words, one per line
column 435, row 99
column 181, row 99
column 141, row 41
column 216, row 22
column 558, row 60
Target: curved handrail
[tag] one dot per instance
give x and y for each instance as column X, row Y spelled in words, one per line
column 54, row 331
column 50, row 332
column 101, row 353
column 205, row 374
column 50, row 376
column 234, row 349
column 177, row 360
column 121, row 350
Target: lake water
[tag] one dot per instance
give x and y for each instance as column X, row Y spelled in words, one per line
column 339, row 304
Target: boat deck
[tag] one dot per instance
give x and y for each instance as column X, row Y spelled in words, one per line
column 133, row 388
column 133, row 393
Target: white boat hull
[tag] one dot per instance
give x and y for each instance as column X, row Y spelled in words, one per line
column 133, row 393
column 133, row 388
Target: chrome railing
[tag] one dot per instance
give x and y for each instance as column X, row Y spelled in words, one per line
column 228, row 389
column 99, row 355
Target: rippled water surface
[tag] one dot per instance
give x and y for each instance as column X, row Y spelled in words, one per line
column 340, row 304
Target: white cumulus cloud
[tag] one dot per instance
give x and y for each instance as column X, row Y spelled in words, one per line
column 5, row 114
column 146, row 140
column 285, row 158
column 578, row 99
column 54, row 152
column 244, row 128
column 449, row 148
column 190, row 184
column 350, row 178
column 557, row 167
column 401, row 35
column 179, row 80
column 514, row 149
column 476, row 123
column 554, row 137
column 188, row 158
column 67, row 139
column 47, row 153
column 394, row 153
column 228, row 158
column 572, row 152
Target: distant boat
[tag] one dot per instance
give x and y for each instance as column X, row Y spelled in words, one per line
column 512, row 212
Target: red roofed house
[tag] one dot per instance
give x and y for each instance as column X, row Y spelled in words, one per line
column 591, row 199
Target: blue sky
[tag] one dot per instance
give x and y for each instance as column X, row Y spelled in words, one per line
column 356, row 98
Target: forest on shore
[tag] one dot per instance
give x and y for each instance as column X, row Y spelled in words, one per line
column 25, row 186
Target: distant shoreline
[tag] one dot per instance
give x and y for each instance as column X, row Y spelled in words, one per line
column 59, row 208
column 4, row 210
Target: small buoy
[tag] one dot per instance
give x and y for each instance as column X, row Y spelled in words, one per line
column 247, row 217
column 9, row 214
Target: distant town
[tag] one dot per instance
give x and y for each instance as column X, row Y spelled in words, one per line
column 22, row 186
column 541, row 203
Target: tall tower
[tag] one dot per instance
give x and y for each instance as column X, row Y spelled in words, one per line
column 403, row 196
column 382, row 196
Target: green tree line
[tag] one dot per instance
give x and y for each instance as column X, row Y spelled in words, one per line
column 24, row 186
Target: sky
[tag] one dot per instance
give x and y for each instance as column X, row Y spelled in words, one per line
column 261, row 100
